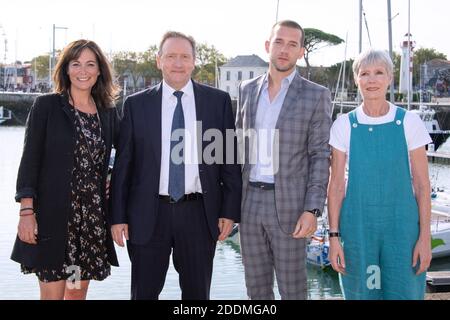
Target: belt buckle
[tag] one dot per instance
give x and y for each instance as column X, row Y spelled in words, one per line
column 262, row 186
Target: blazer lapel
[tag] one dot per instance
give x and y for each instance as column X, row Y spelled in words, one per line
column 199, row 102
column 67, row 108
column 200, row 113
column 254, row 97
column 152, row 112
column 291, row 101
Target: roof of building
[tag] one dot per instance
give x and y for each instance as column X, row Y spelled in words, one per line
column 438, row 63
column 246, row 61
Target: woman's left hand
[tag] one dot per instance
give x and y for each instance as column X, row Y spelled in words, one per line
column 422, row 254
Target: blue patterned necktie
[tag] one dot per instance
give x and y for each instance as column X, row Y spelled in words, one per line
column 176, row 169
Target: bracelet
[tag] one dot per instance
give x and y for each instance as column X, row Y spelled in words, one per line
column 27, row 208
column 334, row 234
column 26, row 214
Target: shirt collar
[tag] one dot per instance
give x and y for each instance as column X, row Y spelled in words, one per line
column 286, row 81
column 188, row 90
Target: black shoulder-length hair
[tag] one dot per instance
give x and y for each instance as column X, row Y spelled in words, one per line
column 105, row 91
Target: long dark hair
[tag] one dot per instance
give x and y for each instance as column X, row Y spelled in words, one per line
column 105, row 91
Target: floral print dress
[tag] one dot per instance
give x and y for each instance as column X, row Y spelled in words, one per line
column 86, row 251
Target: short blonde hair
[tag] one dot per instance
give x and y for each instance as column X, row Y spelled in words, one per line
column 373, row 57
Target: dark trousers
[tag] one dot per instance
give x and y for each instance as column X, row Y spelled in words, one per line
column 181, row 229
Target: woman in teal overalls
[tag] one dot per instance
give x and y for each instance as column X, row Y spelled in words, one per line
column 379, row 225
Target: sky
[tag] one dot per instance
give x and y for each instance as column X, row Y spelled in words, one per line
column 234, row 27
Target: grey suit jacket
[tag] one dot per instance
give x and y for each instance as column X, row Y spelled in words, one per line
column 304, row 154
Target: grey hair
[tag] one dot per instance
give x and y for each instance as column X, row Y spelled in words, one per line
column 176, row 34
column 373, row 57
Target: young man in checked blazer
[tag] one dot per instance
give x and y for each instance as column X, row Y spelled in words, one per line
column 283, row 123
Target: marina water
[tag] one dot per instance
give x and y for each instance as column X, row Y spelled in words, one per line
column 228, row 276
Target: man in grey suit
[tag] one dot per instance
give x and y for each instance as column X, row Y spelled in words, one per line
column 283, row 124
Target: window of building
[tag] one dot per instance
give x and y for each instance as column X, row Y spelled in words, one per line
column 239, row 75
column 252, row 74
column 228, row 75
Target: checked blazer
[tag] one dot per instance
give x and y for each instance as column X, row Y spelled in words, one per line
column 304, row 154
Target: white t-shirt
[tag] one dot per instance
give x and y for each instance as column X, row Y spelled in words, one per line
column 416, row 133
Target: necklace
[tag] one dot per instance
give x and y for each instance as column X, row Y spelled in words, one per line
column 87, row 134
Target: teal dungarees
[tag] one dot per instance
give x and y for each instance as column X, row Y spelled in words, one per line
column 379, row 219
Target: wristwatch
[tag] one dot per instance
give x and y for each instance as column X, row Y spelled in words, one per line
column 316, row 212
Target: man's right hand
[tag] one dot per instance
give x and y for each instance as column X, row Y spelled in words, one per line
column 119, row 231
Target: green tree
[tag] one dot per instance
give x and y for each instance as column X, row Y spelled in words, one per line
column 316, row 39
column 126, row 63
column 147, row 67
column 319, row 75
column 142, row 65
column 396, row 60
column 137, row 65
column 40, row 64
column 421, row 56
column 333, row 75
column 205, row 70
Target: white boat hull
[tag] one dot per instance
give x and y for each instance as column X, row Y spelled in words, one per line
column 442, row 250
column 440, row 223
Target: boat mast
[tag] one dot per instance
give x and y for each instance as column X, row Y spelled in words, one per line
column 4, row 57
column 360, row 26
column 409, row 75
column 216, row 72
column 53, row 58
column 360, row 43
column 391, row 88
column 343, row 72
column 276, row 17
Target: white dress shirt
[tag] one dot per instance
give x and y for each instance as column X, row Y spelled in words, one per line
column 169, row 102
column 266, row 120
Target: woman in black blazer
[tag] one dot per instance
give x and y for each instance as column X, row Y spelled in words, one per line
column 63, row 235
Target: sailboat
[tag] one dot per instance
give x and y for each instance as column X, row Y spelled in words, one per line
column 5, row 114
column 319, row 245
column 440, row 223
column 438, row 135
